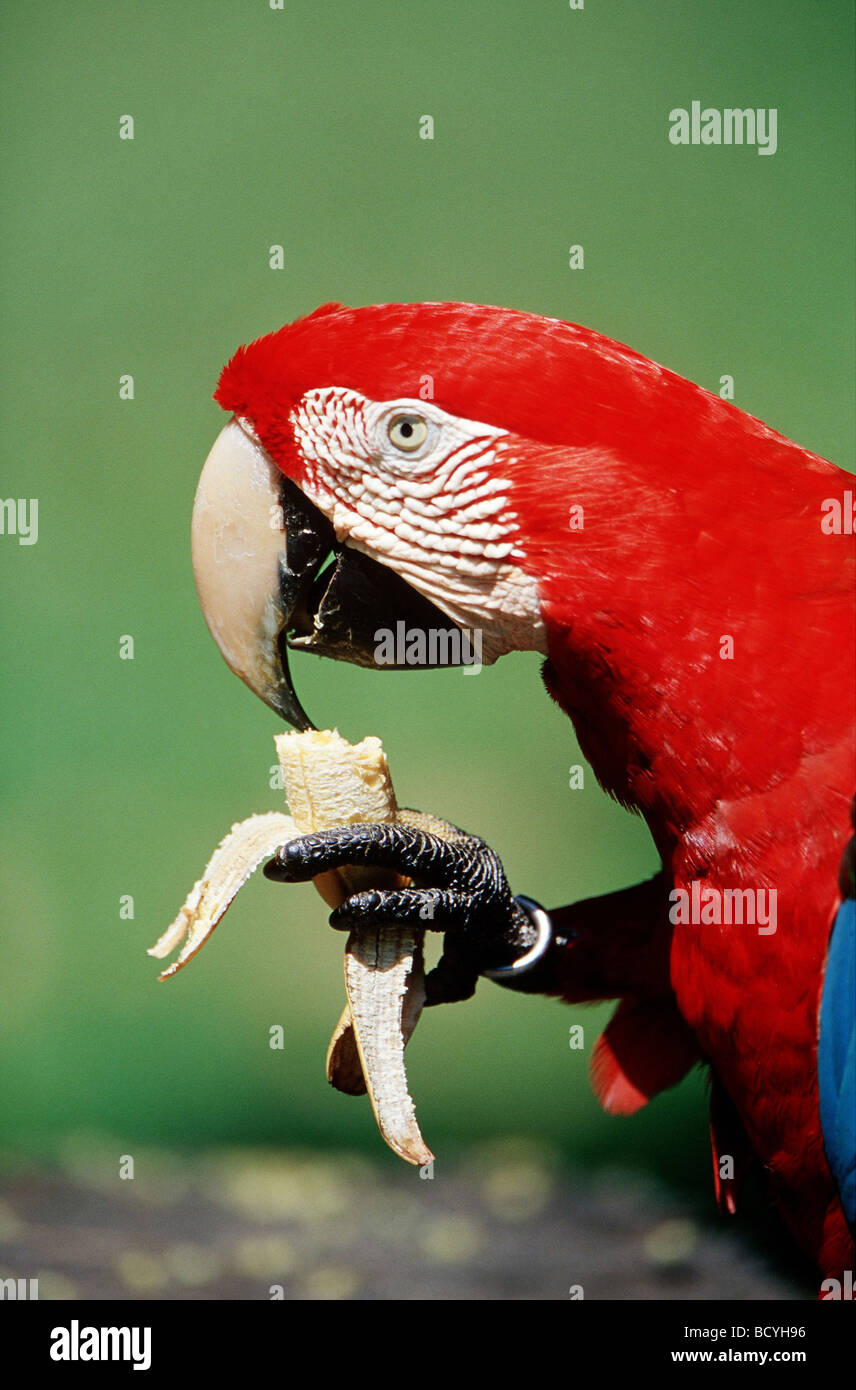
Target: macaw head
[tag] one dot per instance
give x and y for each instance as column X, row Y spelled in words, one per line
column 416, row 463
column 364, row 480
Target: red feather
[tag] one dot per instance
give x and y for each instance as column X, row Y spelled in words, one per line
column 645, row 1048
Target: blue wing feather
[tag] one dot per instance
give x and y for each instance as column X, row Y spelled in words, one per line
column 836, row 1056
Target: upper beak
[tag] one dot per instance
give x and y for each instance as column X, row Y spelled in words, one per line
column 240, row 546
column 259, row 548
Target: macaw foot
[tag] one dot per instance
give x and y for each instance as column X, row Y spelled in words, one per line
column 458, row 887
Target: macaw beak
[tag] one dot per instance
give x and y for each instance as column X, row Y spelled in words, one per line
column 239, row 545
column 260, row 551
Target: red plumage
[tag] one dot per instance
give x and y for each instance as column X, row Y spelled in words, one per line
column 700, row 524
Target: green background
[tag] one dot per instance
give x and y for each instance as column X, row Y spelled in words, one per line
column 255, row 127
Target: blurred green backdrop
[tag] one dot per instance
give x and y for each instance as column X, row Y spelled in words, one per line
column 253, row 127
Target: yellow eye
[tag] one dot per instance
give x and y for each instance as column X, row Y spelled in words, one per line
column 407, row 432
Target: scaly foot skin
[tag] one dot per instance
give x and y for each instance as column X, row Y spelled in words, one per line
column 459, row 888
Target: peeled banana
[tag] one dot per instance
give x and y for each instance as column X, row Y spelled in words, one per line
column 330, row 783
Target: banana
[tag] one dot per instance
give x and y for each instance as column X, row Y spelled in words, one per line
column 329, row 783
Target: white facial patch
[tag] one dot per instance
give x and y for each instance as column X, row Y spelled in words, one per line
column 431, row 509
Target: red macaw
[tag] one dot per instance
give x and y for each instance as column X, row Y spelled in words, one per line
column 687, row 573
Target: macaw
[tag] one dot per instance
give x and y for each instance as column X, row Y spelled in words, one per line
column 687, row 575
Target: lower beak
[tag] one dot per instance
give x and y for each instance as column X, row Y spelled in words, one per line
column 259, row 559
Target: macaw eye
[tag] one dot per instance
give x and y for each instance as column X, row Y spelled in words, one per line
column 407, row 432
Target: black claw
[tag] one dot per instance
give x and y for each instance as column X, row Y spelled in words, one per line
column 450, row 981
column 458, row 887
column 401, row 847
column 427, row 908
